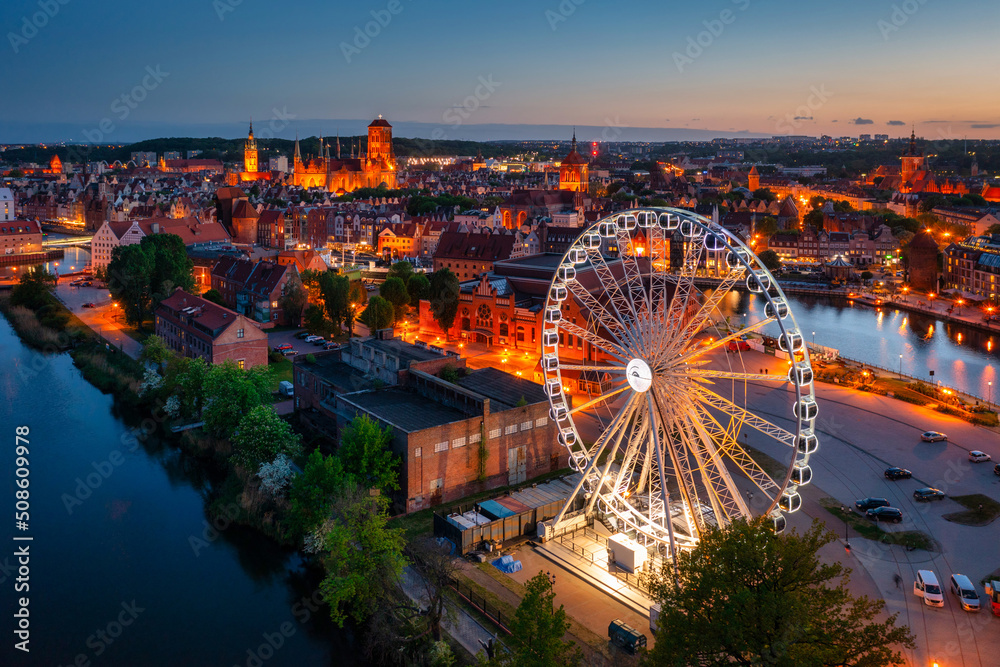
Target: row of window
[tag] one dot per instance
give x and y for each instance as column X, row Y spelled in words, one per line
column 457, row 443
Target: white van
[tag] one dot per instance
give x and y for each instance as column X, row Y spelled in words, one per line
column 965, row 591
column 927, row 587
column 286, row 388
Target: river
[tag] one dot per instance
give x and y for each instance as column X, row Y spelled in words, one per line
column 124, row 568
column 961, row 357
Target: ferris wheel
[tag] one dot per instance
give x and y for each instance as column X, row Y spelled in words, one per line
column 633, row 313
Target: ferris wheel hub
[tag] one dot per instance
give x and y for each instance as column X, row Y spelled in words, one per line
column 639, row 375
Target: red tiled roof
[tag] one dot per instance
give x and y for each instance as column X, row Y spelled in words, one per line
column 488, row 247
column 189, row 229
column 20, row 227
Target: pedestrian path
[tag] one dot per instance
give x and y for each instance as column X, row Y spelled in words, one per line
column 458, row 623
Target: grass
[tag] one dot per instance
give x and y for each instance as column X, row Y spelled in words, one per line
column 281, row 371
column 973, row 515
column 914, row 539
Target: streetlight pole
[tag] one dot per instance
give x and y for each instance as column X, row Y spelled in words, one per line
column 990, row 399
column 847, row 539
column 900, row 367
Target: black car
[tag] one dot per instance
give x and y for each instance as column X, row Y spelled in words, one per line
column 302, row 335
column 928, row 494
column 890, row 514
column 996, row 469
column 871, row 503
column 898, row 473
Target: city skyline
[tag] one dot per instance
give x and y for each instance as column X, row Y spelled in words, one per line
column 730, row 69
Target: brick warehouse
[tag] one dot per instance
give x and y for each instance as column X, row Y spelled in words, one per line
column 458, row 439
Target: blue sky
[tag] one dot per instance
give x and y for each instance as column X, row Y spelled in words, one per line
column 722, row 66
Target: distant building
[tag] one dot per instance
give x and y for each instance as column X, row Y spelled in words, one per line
column 573, row 171
column 20, row 237
column 7, row 205
column 377, row 165
column 973, row 266
column 975, row 221
column 171, row 155
column 194, row 327
column 253, row 289
column 143, row 158
column 923, row 262
column 110, row 235
column 468, row 254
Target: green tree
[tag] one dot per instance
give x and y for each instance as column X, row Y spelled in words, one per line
column 993, row 229
column 750, row 597
column 294, row 300
column 312, row 493
column 358, row 294
column 33, row 288
column 537, row 630
column 230, row 393
column 336, row 298
column 315, row 321
column 814, row 218
column 215, row 296
column 394, row 291
column 364, row 557
column 764, row 194
column 185, row 377
column 766, row 227
column 155, row 351
column 770, row 260
column 418, row 287
column 260, row 436
column 366, row 455
column 129, row 281
column 444, row 297
column 172, row 267
column 867, row 275
column 402, row 270
column 378, row 314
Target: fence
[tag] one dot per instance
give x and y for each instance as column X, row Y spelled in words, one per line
column 590, row 553
column 927, row 381
column 490, row 609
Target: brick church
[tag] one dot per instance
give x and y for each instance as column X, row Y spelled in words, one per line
column 375, row 166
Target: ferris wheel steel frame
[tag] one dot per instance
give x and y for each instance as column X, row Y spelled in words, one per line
column 644, row 315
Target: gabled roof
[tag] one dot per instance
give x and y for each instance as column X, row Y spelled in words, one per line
column 479, row 246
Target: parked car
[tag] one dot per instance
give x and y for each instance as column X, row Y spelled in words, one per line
column 977, row 456
column 927, row 587
column 90, row 304
column 290, row 352
column 898, row 473
column 927, row 494
column 890, row 514
column 933, row 436
column 870, row 503
column 286, row 388
column 319, row 341
column 302, row 334
column 996, row 469
column 965, row 592
column 329, row 345
column 312, row 339
column 282, row 348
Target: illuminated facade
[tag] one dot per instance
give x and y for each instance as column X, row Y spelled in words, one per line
column 250, row 163
column 340, row 175
column 574, row 171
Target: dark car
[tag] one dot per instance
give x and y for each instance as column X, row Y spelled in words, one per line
column 90, row 304
column 319, row 341
column 282, row 348
column 302, row 335
column 898, row 473
column 871, row 503
column 996, row 469
column 890, row 514
column 329, row 345
column 927, row 494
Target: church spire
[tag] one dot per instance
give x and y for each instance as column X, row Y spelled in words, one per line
column 913, row 141
column 298, row 153
column 251, row 127
column 574, row 138
column 338, row 144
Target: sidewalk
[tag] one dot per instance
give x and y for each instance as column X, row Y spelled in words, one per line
column 458, row 623
column 98, row 319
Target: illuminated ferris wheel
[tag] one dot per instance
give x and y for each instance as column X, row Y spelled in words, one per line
column 642, row 289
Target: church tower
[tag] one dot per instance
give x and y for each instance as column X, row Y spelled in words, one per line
column 574, row 170
column 250, row 153
column 911, row 163
column 754, row 179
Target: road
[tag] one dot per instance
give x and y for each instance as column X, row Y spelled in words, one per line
column 102, row 318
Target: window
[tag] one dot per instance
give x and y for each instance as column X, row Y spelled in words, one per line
column 441, row 447
column 541, row 421
column 526, row 426
column 458, row 442
column 475, row 437
column 240, row 363
column 239, row 333
column 494, row 433
column 510, row 429
column 417, row 451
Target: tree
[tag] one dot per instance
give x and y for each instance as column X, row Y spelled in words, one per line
column 33, row 288
column 358, row 295
column 336, row 297
column 867, row 275
column 402, row 270
column 813, row 218
column 394, row 291
column 294, row 300
column 767, row 227
column 312, row 492
column 764, row 194
column 171, row 265
column 230, row 393
column 437, row 568
column 750, row 597
column 364, row 557
column 993, row 229
column 315, row 321
column 129, row 281
column 444, row 297
column 261, row 436
column 155, row 351
column 378, row 314
column 537, row 630
column 770, row 260
column 215, row 296
column 367, row 458
column 418, row 287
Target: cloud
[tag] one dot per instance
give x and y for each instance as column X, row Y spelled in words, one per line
column 895, row 122
column 803, row 118
column 984, row 126
column 861, row 121
column 833, row 121
column 937, row 121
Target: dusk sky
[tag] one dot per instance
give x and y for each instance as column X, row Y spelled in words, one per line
column 780, row 67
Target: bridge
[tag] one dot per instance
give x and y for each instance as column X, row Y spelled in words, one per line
column 76, row 241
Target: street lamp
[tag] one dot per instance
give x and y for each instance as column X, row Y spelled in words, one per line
column 847, row 539
column 990, row 399
column 900, row 366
